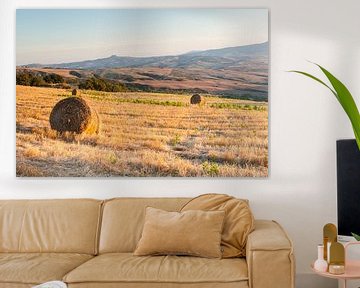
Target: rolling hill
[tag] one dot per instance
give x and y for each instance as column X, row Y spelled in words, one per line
column 238, row 72
column 211, row 59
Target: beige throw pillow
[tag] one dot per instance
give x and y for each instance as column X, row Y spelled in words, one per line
column 195, row 233
column 239, row 220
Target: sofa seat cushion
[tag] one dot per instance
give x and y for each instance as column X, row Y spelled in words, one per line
column 15, row 285
column 36, row 268
column 127, row 268
column 242, row 284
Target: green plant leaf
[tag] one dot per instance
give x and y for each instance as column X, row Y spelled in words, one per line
column 344, row 97
column 316, row 79
column 357, row 137
column 356, row 236
column 347, row 102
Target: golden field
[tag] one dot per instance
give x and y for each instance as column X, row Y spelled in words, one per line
column 143, row 134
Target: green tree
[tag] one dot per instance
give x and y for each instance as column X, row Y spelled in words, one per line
column 37, row 80
column 100, row 84
column 23, row 78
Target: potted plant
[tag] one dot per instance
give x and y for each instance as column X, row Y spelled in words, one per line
column 347, row 102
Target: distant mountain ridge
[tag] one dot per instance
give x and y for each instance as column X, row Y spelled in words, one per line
column 208, row 59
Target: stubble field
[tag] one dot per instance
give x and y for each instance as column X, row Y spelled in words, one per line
column 143, row 134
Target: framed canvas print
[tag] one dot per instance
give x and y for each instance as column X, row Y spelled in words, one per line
column 142, row 92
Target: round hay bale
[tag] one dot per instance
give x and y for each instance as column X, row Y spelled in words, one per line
column 196, row 99
column 74, row 92
column 73, row 114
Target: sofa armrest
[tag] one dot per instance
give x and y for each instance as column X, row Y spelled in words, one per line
column 269, row 255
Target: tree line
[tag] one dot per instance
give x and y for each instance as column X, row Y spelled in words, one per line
column 95, row 82
column 31, row 79
column 100, row 84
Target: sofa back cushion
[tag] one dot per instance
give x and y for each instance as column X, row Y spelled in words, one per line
column 123, row 220
column 238, row 224
column 66, row 226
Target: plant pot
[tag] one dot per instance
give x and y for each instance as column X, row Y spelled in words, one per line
column 348, row 187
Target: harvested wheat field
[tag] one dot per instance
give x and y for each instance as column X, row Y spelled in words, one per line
column 143, row 134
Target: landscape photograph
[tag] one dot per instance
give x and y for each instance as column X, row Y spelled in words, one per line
column 142, row 93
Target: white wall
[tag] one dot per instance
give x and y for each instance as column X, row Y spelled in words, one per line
column 305, row 120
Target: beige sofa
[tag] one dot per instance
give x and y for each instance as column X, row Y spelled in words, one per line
column 89, row 243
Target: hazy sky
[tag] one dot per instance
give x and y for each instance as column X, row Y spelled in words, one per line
column 58, row 35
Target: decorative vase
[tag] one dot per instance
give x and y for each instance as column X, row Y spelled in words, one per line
column 320, row 264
